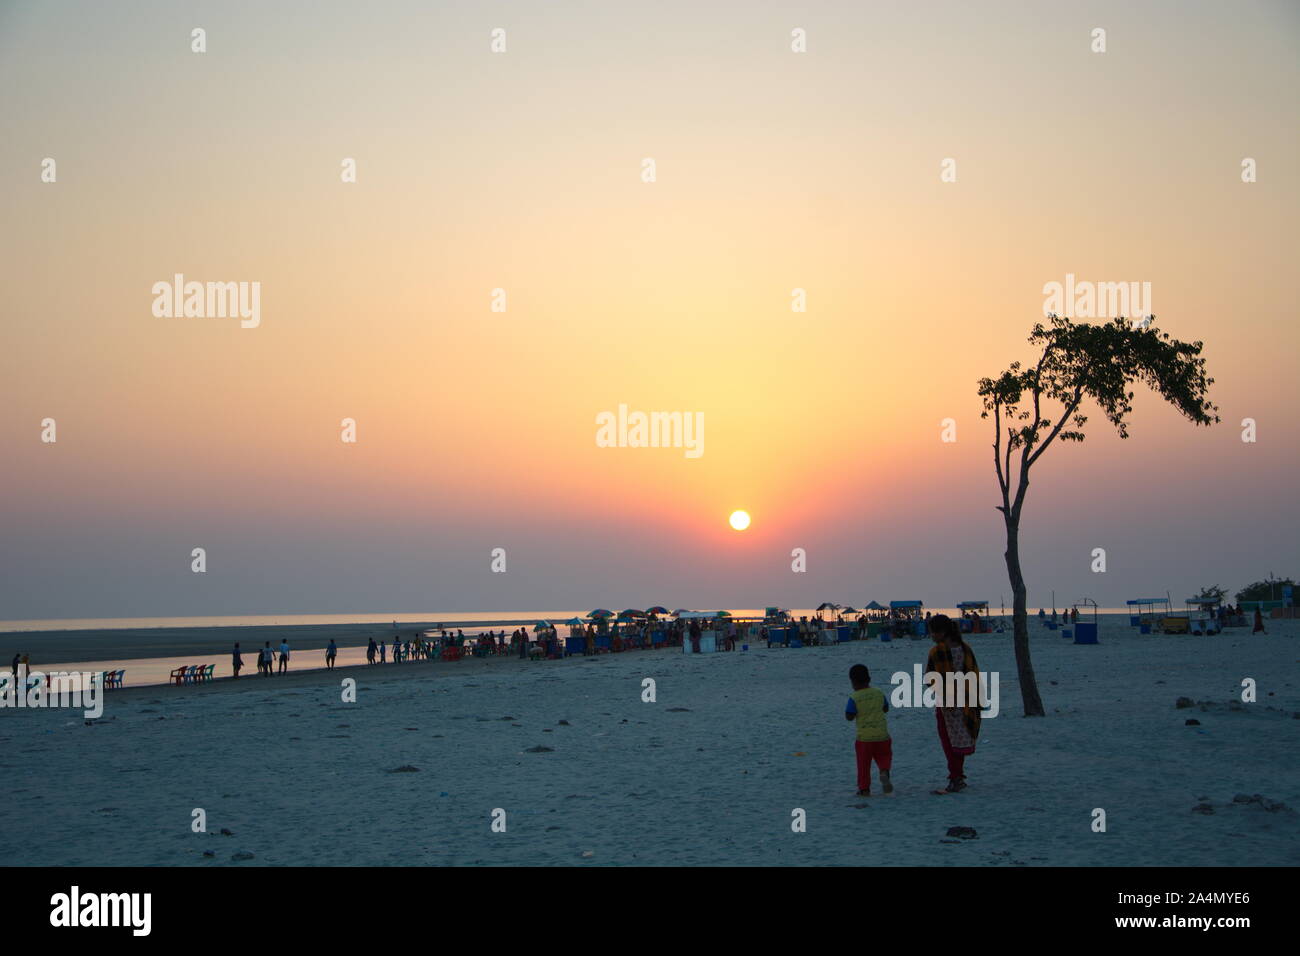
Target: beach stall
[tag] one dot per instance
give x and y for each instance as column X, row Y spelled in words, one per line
column 602, row 618
column 875, row 613
column 629, row 622
column 576, row 642
column 1144, row 613
column 658, row 631
column 852, row 629
column 1203, row 615
column 708, row 638
column 970, row 611
column 907, row 618
column 1085, row 632
column 826, row 622
column 548, row 639
column 777, row 622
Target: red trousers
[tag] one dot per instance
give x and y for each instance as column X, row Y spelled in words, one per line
column 882, row 751
column 956, row 760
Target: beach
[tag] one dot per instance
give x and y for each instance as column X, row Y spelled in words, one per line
column 710, row 772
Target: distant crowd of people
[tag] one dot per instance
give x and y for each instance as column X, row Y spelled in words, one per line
column 266, row 658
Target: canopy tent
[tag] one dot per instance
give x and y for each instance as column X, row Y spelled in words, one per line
column 700, row 615
column 828, row 606
column 969, row 610
column 874, row 606
column 542, row 626
column 575, row 622
column 1148, row 608
column 906, row 618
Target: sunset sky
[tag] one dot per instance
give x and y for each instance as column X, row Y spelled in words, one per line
column 522, row 170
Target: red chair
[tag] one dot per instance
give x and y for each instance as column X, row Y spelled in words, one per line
column 178, row 675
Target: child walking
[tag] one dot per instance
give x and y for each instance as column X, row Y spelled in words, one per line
column 867, row 706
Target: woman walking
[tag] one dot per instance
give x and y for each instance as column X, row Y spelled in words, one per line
column 958, row 718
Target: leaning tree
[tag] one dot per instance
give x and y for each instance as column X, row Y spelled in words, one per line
column 1034, row 406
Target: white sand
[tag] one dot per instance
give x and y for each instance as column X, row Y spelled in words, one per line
column 637, row 783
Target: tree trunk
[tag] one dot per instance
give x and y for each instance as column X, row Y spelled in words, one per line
column 1020, row 622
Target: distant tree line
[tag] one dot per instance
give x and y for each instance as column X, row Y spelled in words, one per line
column 1259, row 591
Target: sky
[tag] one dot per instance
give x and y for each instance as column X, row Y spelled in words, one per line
column 523, row 170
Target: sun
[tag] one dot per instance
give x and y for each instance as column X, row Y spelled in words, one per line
column 740, row 520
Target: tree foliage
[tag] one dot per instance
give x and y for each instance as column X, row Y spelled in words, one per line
column 1088, row 362
column 1264, row 590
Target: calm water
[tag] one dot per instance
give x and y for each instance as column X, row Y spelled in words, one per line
column 485, row 618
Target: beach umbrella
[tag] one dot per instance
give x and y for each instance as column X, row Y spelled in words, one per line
column 656, row 610
column 542, row 626
column 601, row 612
column 630, row 613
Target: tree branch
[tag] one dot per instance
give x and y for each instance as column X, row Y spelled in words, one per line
column 1065, row 417
column 997, row 449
